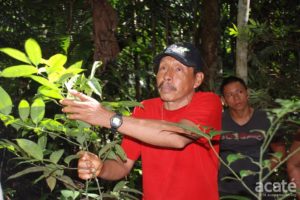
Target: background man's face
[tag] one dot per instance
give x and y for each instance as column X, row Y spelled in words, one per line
column 235, row 96
column 174, row 80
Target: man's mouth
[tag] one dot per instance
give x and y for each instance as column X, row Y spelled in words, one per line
column 166, row 87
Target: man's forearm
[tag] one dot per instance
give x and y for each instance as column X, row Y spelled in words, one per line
column 155, row 132
column 114, row 170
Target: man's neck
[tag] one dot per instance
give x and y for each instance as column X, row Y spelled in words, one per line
column 242, row 116
column 175, row 105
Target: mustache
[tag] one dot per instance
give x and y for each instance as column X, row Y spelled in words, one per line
column 164, row 84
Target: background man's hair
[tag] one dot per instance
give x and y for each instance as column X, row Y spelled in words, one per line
column 231, row 79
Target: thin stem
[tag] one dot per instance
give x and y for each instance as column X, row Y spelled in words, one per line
column 230, row 169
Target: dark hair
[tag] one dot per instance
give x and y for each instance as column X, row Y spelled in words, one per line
column 231, row 79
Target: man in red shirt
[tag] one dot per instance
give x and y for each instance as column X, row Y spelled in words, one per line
column 176, row 164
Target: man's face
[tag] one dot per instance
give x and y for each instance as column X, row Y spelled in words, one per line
column 235, row 95
column 176, row 81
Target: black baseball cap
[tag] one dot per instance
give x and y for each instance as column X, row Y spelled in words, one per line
column 186, row 53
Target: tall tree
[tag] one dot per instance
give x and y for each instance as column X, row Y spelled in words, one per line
column 210, row 36
column 104, row 28
column 242, row 39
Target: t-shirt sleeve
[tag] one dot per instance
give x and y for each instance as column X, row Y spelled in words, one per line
column 206, row 112
column 131, row 146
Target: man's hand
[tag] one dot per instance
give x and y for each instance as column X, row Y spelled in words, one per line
column 86, row 109
column 89, row 165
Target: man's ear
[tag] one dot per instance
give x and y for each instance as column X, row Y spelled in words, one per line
column 248, row 93
column 223, row 101
column 199, row 79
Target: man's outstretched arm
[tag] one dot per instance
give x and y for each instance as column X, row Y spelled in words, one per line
column 154, row 132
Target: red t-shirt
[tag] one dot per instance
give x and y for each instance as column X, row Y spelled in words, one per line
column 179, row 174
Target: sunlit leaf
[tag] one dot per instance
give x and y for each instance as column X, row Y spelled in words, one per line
column 95, row 86
column 31, row 148
column 5, row 102
column 57, row 60
column 56, row 155
column 44, row 82
column 65, row 43
column 96, row 65
column 37, row 111
column 24, row 109
column 33, row 51
column 55, row 94
column 18, row 71
column 76, row 65
column 52, row 125
column 16, row 54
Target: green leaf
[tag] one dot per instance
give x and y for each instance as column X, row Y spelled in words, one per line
column 31, row 148
column 24, row 109
column 27, row 171
column 16, row 54
column 65, row 43
column 56, row 155
column 95, row 86
column 51, row 182
column 112, row 155
column 244, row 173
column 69, row 158
column 68, row 182
column 5, row 102
column 42, row 142
column 119, row 186
column 44, row 82
column 33, row 51
column 52, row 125
column 123, row 104
column 76, row 65
column 18, row 71
column 96, row 65
column 277, row 155
column 120, row 152
column 106, row 148
column 47, row 92
column 37, row 111
column 57, row 60
column 69, row 194
column 233, row 157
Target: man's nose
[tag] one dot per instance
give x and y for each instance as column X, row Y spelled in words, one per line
column 169, row 75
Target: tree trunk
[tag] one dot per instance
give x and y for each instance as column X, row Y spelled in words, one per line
column 242, row 40
column 105, row 23
column 210, row 41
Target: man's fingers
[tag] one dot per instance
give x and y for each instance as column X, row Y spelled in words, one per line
column 80, row 95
